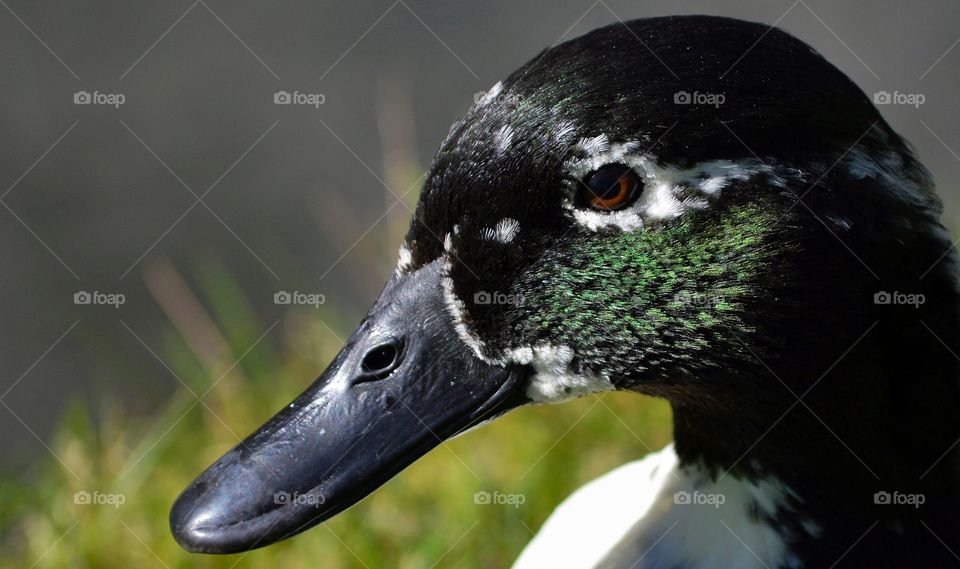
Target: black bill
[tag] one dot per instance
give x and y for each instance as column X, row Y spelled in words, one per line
column 403, row 384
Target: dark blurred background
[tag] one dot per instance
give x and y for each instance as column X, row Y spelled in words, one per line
column 103, row 198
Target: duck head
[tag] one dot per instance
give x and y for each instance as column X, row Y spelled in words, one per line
column 695, row 208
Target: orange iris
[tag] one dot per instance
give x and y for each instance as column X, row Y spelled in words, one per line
column 609, row 188
column 615, row 196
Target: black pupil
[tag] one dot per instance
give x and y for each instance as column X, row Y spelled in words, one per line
column 605, row 183
column 380, row 359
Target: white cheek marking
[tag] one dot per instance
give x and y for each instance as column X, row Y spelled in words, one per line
column 505, row 231
column 553, row 380
column 405, row 261
column 456, row 307
column 458, row 311
column 654, row 513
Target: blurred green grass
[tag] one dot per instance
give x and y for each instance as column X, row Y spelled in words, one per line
column 425, row 517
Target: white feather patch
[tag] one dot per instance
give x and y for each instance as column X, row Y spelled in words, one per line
column 405, row 261
column 458, row 315
column 594, row 146
column 456, row 308
column 564, row 131
column 667, row 189
column 505, row 231
column 553, row 380
column 655, row 514
column 503, row 138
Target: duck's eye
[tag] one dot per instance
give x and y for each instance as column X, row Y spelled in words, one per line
column 609, row 188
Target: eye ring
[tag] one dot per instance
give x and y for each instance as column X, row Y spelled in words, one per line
column 609, row 188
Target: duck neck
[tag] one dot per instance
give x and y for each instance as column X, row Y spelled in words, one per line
column 866, row 448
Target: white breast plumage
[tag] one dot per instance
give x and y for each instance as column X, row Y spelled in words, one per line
column 655, row 514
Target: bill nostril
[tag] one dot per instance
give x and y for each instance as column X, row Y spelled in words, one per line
column 380, row 361
column 389, row 401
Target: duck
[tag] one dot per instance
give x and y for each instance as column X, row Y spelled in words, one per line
column 694, row 208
